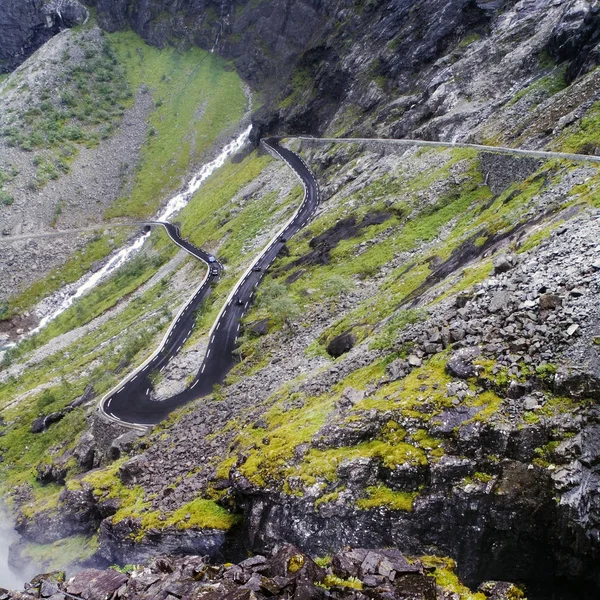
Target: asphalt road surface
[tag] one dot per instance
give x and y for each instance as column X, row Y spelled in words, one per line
column 131, row 402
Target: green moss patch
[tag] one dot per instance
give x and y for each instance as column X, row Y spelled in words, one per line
column 199, row 513
column 61, row 554
column 381, row 496
column 322, row 465
column 447, row 579
column 584, row 136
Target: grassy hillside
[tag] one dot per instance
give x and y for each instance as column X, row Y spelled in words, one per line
column 128, row 315
column 197, row 97
column 198, row 100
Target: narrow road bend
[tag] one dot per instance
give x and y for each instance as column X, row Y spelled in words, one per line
column 130, row 402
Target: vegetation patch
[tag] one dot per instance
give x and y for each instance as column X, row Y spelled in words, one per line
column 126, row 279
column 544, row 87
column 584, row 136
column 332, row 581
column 6, row 175
column 22, row 450
column 322, row 465
column 381, row 495
column 89, row 102
column 291, row 421
column 75, row 267
column 199, row 513
column 61, row 554
column 197, row 99
column 447, row 579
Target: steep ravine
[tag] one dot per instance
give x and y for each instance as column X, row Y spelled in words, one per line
column 420, row 369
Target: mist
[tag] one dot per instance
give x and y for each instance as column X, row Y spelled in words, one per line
column 9, row 578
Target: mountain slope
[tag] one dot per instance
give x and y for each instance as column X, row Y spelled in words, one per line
column 420, row 369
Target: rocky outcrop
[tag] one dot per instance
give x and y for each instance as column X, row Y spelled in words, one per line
column 25, row 26
column 79, row 514
column 529, row 332
column 355, row 574
column 576, row 37
column 481, row 524
column 119, row 543
column 511, row 434
column 341, row 344
column 264, row 38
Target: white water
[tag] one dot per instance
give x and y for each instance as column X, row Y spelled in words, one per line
column 9, row 579
column 174, row 205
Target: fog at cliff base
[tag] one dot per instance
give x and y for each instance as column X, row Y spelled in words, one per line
column 9, row 578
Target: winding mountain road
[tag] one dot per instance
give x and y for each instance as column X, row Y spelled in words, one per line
column 130, row 403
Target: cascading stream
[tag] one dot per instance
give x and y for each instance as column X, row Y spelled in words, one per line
column 174, row 205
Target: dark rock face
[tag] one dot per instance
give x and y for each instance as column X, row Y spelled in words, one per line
column 269, row 39
column 483, row 531
column 258, row 328
column 51, row 473
column 85, row 452
column 72, row 14
column 23, row 29
column 117, row 545
column 241, row 27
column 93, row 583
column 344, row 229
column 324, row 45
column 79, row 514
column 132, row 469
column 25, row 26
column 341, row 344
column 43, row 422
column 461, row 363
column 576, row 38
column 578, row 382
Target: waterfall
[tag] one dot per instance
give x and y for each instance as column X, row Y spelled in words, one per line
column 65, row 297
column 224, row 14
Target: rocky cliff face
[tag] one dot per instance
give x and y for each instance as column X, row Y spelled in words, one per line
column 397, row 68
column 264, row 38
column 25, row 26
